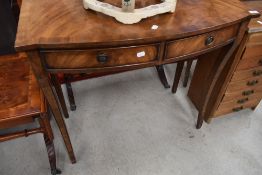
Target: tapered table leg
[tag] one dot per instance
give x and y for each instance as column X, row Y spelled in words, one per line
column 162, row 76
column 44, row 83
column 60, row 94
column 179, row 70
column 70, row 93
column 187, row 73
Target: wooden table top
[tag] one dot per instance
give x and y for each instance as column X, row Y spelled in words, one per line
column 66, row 24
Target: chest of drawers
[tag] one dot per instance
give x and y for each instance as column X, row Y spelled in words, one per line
column 245, row 87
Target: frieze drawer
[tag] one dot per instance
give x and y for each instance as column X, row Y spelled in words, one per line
column 200, row 43
column 99, row 58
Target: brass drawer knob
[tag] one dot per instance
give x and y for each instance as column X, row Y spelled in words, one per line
column 209, row 40
column 246, row 93
column 241, row 101
column 257, row 73
column 252, row 83
column 238, row 109
column 102, row 58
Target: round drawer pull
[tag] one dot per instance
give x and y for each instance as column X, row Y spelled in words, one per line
column 209, row 40
column 238, row 109
column 241, row 101
column 257, row 73
column 246, row 93
column 102, row 58
column 252, row 83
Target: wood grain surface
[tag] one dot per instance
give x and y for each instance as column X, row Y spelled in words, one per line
column 66, row 24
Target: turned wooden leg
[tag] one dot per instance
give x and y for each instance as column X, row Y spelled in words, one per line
column 51, row 155
column 187, row 73
column 48, row 137
column 60, row 94
column 45, row 85
column 179, row 70
column 70, row 92
column 162, row 76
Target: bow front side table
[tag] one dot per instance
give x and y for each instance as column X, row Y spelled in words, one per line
column 60, row 36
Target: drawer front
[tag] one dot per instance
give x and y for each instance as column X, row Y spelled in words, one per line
column 101, row 58
column 249, row 63
column 249, row 73
column 255, row 39
column 229, row 107
column 200, row 43
column 244, row 84
column 250, row 92
column 252, row 51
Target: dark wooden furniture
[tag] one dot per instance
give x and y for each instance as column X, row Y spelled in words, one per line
column 62, row 37
column 22, row 102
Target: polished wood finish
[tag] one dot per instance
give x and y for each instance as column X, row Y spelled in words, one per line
column 75, row 41
column 199, row 43
column 92, row 30
column 22, row 102
column 90, row 58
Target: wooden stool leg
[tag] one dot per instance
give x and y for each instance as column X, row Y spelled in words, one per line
column 70, row 92
column 162, row 76
column 60, row 94
column 48, row 137
column 179, row 70
column 187, row 73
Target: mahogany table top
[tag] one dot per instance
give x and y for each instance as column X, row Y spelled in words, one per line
column 66, row 24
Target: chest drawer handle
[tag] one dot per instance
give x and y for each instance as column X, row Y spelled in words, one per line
column 238, row 109
column 102, row 58
column 246, row 93
column 260, row 62
column 241, row 101
column 257, row 73
column 209, row 40
column 252, row 83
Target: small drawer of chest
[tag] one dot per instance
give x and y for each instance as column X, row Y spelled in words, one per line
column 244, row 84
column 200, row 43
column 101, row 58
column 253, row 92
column 255, row 72
column 251, row 62
column 236, row 105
